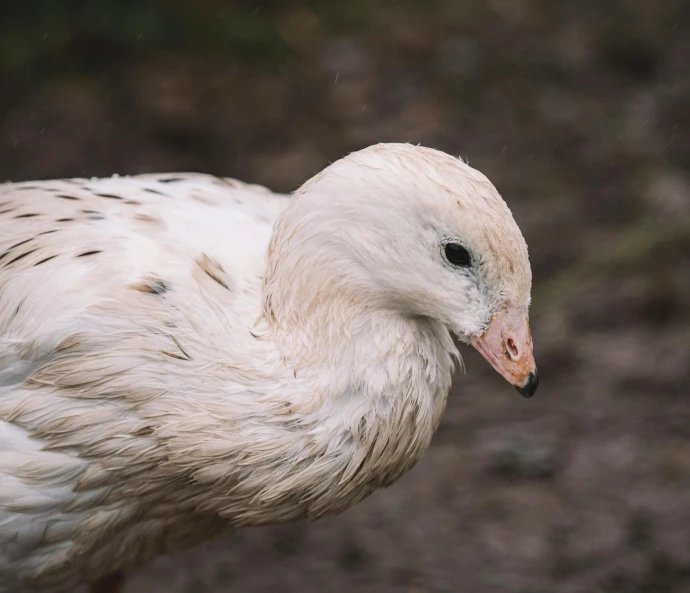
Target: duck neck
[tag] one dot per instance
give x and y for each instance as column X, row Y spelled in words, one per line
column 350, row 399
column 347, row 352
column 369, row 391
column 333, row 325
column 359, row 392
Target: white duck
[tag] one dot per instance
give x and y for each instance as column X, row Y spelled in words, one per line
column 182, row 353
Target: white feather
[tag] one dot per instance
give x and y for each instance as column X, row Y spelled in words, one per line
column 181, row 353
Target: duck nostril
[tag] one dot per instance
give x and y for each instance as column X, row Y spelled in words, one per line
column 513, row 351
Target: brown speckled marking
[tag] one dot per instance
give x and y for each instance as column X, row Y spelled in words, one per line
column 182, row 356
column 23, row 255
column 70, row 342
column 38, row 263
column 16, row 311
column 9, row 249
column 213, row 269
column 147, row 218
column 151, row 286
column 203, row 199
column 109, row 196
column 20, row 243
column 87, row 253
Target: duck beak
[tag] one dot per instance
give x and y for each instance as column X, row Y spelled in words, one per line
column 507, row 345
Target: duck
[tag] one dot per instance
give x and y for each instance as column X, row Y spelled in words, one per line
column 182, row 355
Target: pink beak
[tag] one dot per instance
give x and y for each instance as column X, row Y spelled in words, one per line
column 507, row 345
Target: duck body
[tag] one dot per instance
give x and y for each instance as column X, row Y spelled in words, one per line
column 150, row 395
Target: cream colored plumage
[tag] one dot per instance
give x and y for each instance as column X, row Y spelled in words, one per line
column 182, row 353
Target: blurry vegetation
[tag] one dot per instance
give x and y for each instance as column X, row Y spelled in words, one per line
column 46, row 38
column 43, row 38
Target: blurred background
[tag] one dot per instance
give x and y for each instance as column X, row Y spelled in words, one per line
column 577, row 110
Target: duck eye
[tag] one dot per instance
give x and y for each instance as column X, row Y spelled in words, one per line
column 457, row 255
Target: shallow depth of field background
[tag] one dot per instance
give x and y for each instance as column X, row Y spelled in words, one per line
column 577, row 110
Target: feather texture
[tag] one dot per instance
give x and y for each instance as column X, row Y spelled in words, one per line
column 170, row 365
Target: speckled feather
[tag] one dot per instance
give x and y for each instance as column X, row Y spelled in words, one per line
column 96, row 277
column 171, row 365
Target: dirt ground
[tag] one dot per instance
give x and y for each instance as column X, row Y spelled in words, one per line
column 578, row 111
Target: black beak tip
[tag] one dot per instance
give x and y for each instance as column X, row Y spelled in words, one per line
column 530, row 388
